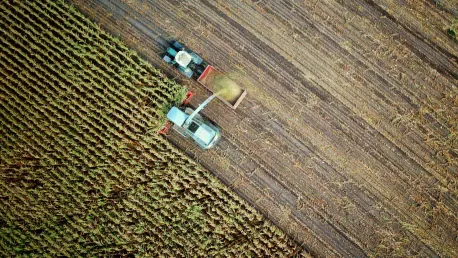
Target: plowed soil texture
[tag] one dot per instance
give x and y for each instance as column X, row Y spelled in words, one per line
column 347, row 138
column 83, row 172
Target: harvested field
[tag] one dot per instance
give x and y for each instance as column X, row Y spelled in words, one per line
column 347, row 138
column 83, row 172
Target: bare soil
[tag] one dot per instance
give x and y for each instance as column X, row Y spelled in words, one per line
column 347, row 138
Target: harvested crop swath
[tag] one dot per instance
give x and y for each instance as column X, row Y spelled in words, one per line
column 83, row 172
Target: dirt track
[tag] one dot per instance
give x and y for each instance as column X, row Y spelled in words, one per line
column 341, row 139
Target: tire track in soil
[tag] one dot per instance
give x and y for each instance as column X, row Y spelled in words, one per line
column 362, row 122
column 447, row 68
column 365, row 144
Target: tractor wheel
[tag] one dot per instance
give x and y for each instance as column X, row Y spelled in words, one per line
column 176, row 45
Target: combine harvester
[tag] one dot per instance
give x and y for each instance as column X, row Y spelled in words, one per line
column 186, row 120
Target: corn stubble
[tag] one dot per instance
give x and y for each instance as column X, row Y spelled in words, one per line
column 83, row 172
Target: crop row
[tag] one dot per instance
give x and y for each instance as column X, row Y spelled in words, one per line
column 83, row 171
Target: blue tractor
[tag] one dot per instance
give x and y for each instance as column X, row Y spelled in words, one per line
column 187, row 62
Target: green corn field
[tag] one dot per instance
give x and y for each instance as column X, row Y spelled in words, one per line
column 83, row 171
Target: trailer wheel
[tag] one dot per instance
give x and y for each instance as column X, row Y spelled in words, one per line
column 199, row 70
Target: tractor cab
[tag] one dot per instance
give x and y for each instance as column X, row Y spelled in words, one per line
column 187, row 62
